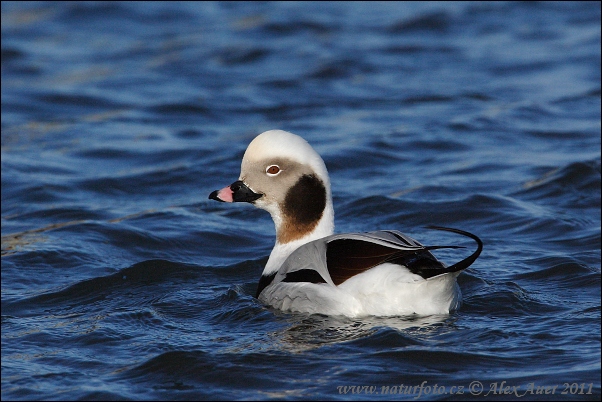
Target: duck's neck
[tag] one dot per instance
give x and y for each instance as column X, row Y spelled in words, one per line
column 290, row 237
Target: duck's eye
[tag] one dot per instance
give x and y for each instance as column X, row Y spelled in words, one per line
column 272, row 170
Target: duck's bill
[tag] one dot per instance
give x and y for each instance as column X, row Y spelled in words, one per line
column 236, row 192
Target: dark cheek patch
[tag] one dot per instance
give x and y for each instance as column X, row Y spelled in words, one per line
column 303, row 207
column 306, row 200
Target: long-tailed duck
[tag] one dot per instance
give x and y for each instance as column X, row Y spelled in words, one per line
column 312, row 270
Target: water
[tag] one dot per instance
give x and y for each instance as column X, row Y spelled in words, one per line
column 121, row 280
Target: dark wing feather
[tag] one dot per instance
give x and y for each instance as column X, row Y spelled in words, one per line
column 422, row 263
column 347, row 257
column 304, row 275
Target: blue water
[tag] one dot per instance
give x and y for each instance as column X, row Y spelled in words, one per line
column 121, row 280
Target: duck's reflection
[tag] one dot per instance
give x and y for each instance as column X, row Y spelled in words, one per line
column 312, row 331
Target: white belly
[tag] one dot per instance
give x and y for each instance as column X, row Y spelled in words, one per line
column 386, row 290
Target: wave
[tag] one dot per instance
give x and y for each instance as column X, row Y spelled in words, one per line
column 144, row 282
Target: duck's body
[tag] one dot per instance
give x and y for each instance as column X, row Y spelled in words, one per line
column 312, row 270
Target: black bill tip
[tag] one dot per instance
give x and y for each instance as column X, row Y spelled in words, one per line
column 213, row 196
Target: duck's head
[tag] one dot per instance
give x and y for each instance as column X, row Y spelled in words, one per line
column 283, row 174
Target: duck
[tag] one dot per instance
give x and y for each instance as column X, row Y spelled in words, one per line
column 313, row 270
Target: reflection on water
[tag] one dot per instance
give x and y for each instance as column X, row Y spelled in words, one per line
column 314, row 331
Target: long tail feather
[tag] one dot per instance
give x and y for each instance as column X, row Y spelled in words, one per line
column 465, row 263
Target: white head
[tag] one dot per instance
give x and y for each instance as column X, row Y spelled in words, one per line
column 283, row 174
